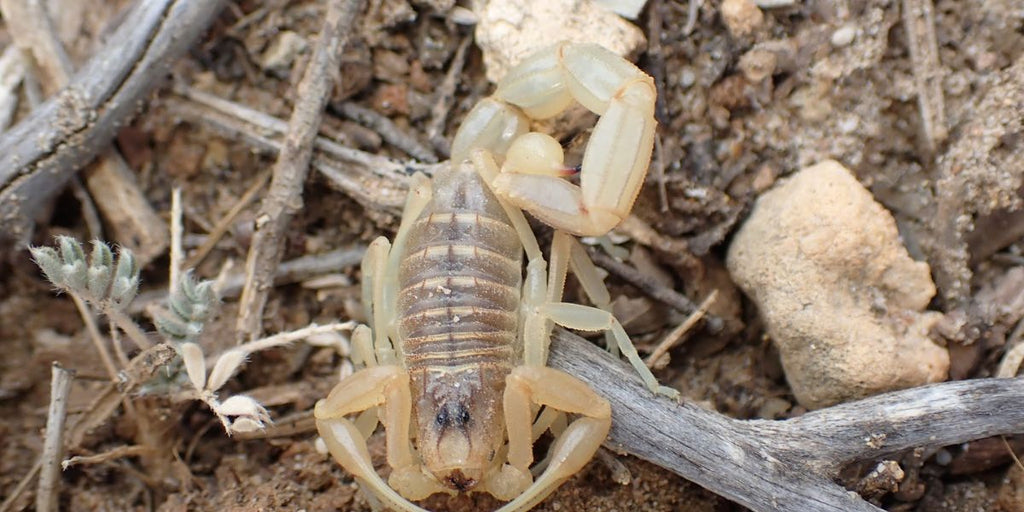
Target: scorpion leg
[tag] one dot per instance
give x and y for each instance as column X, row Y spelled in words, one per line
column 586, row 318
column 380, row 386
column 567, row 253
column 379, row 268
column 528, row 385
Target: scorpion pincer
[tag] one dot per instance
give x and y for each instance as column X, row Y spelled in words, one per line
column 455, row 353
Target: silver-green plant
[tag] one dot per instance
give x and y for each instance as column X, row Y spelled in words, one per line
column 111, row 284
column 191, row 306
column 99, row 280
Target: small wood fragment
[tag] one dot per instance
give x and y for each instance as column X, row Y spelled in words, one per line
column 53, row 442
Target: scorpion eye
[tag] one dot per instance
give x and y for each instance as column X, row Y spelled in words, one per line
column 461, row 415
column 452, row 415
column 442, row 418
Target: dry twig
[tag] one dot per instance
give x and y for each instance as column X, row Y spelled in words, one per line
column 284, row 197
column 651, row 287
column 919, row 22
column 376, row 182
column 673, row 338
column 791, row 464
column 225, row 222
column 387, row 129
column 53, row 442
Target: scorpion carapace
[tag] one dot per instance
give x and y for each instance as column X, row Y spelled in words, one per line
column 457, row 345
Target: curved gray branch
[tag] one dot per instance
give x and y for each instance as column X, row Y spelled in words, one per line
column 787, row 465
column 40, row 154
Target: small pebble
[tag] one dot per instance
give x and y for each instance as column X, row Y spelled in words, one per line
column 843, row 36
column 757, row 65
column 282, row 51
column 687, row 78
column 741, row 17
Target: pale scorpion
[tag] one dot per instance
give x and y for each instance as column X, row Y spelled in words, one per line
column 456, row 359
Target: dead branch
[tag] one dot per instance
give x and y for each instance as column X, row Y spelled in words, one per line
column 376, row 182
column 53, row 443
column 135, row 223
column 43, row 151
column 787, row 465
column 387, row 129
column 284, row 197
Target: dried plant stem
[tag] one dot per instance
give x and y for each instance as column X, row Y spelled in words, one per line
column 444, row 97
column 284, row 197
column 225, row 222
column 388, row 131
column 95, row 336
column 672, row 339
column 919, row 23
column 118, row 452
column 286, row 338
column 176, row 233
column 115, row 341
column 23, row 484
column 129, row 327
column 53, row 442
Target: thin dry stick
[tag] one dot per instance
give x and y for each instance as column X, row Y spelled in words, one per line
column 53, row 442
column 1013, row 455
column 118, row 452
column 138, row 337
column 284, row 197
column 115, row 341
column 176, row 233
column 292, row 271
column 225, row 222
column 376, row 182
column 919, row 23
column 142, row 368
column 651, row 287
column 285, row 338
column 22, row 486
column 388, row 130
column 94, row 335
column 89, row 213
column 790, row 464
column 676, row 335
column 444, row 98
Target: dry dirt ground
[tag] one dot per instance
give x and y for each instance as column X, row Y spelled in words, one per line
column 842, row 86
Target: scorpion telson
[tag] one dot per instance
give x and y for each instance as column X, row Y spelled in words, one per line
column 456, row 349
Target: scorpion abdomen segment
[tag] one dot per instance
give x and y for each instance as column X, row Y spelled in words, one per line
column 460, row 279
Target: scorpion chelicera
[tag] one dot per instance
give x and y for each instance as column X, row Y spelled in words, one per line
column 456, row 350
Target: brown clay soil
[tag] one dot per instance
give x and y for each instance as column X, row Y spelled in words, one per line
column 724, row 138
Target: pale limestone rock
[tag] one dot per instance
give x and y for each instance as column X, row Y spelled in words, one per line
column 509, row 31
column 837, row 290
